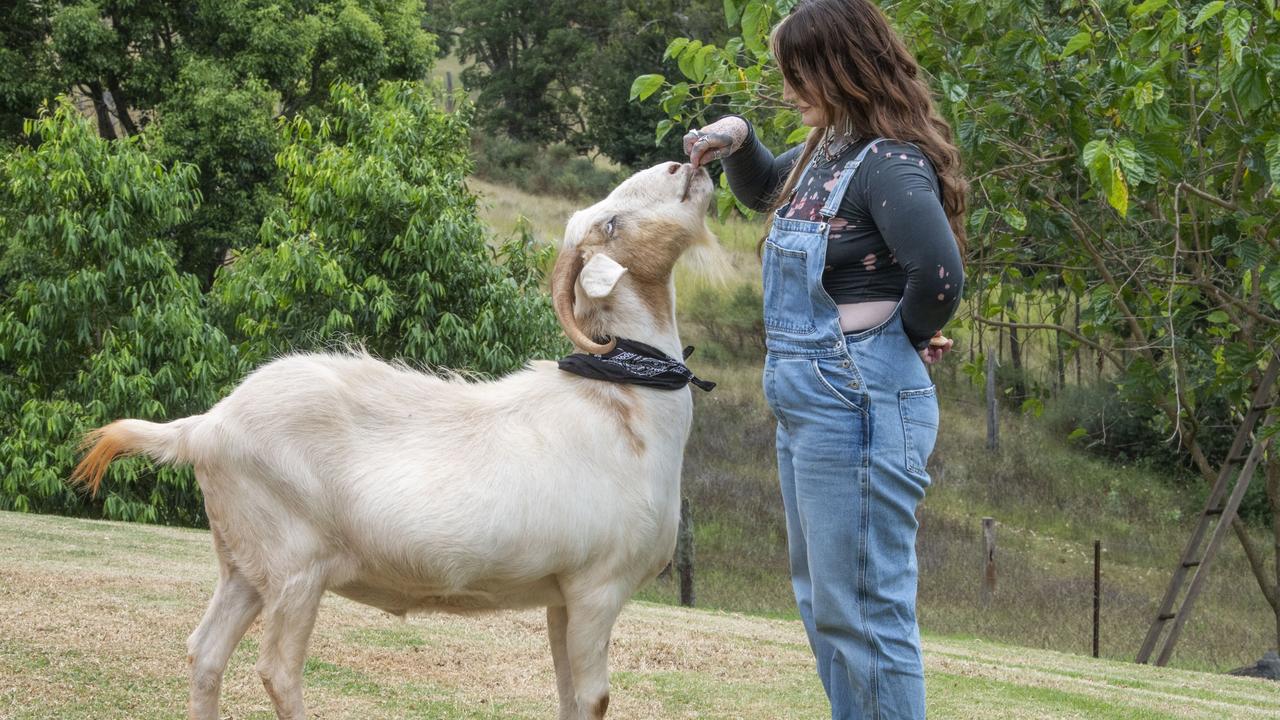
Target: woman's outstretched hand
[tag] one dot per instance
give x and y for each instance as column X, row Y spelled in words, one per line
column 715, row 141
column 938, row 345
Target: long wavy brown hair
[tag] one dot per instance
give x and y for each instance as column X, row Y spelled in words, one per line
column 843, row 56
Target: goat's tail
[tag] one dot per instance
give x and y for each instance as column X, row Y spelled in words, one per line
column 164, row 442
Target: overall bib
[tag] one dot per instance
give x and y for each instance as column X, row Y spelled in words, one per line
column 857, row 418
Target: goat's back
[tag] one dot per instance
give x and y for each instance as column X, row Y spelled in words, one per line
column 458, row 484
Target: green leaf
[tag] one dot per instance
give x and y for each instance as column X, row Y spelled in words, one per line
column 700, row 62
column 1235, row 27
column 675, row 47
column 1077, row 434
column 687, row 57
column 1273, row 162
column 1015, row 218
column 675, row 98
column 730, row 13
column 1034, row 406
column 1092, row 151
column 661, row 131
column 755, row 18
column 1118, row 192
column 1146, row 8
column 1132, row 161
column 646, row 85
column 1218, row 317
column 1078, row 42
column 797, row 135
column 1206, row 12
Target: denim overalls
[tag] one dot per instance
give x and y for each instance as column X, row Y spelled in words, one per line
column 857, row 418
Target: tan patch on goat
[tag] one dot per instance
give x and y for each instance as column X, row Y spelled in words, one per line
column 651, row 257
column 620, row 403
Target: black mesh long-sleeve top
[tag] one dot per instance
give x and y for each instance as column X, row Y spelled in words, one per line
column 890, row 239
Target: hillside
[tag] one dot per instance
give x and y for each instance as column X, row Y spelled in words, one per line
column 94, row 617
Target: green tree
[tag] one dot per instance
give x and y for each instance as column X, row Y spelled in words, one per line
column 96, row 322
column 27, row 63
column 638, row 32
column 378, row 241
column 213, row 76
column 529, row 59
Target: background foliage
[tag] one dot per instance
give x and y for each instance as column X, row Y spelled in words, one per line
column 221, row 183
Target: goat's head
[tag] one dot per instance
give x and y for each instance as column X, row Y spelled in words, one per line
column 631, row 238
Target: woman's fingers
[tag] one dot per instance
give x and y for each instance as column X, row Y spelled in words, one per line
column 702, row 146
column 938, row 346
column 690, row 138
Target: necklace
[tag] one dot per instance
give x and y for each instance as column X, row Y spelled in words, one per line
column 823, row 153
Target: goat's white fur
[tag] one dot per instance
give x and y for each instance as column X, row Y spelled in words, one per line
column 414, row 492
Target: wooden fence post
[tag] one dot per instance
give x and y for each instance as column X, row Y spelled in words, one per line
column 1097, row 591
column 989, row 571
column 684, row 554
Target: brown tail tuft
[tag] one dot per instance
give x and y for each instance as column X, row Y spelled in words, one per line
column 105, row 445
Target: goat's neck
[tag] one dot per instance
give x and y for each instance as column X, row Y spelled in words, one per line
column 645, row 313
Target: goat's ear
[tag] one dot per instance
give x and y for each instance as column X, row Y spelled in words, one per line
column 599, row 275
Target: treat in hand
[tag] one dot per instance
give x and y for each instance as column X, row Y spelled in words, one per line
column 938, row 345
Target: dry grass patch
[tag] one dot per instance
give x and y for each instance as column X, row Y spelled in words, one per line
column 94, row 617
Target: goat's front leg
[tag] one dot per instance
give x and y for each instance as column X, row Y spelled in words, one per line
column 288, row 619
column 557, row 625
column 591, row 617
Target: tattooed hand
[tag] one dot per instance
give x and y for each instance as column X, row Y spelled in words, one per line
column 715, row 141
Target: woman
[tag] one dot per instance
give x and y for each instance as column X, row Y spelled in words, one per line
column 862, row 267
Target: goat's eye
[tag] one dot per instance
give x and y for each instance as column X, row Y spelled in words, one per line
column 611, row 226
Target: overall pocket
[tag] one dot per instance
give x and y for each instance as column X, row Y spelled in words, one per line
column 919, row 409
column 841, row 380
column 787, row 307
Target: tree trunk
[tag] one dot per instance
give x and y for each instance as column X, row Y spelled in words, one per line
column 1015, row 358
column 1079, row 358
column 121, row 105
column 101, row 111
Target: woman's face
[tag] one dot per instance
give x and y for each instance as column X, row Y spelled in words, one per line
column 810, row 114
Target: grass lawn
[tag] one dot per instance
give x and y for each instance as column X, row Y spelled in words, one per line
column 94, row 617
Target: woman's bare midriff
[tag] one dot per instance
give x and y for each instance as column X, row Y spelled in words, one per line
column 863, row 315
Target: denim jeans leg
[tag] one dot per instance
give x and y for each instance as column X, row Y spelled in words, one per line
column 797, row 555
column 831, row 501
column 892, row 570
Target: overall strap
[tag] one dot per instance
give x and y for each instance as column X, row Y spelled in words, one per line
column 836, row 197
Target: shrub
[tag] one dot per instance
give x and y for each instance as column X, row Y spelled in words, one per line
column 378, row 241
column 95, row 320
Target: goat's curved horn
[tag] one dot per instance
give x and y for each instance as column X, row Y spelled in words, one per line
column 563, row 278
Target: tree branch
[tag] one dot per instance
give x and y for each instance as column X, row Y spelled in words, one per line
column 1110, row 355
column 1208, row 196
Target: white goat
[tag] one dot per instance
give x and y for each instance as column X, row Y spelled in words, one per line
column 411, row 492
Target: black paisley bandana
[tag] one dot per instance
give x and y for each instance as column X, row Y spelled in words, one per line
column 635, row 363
